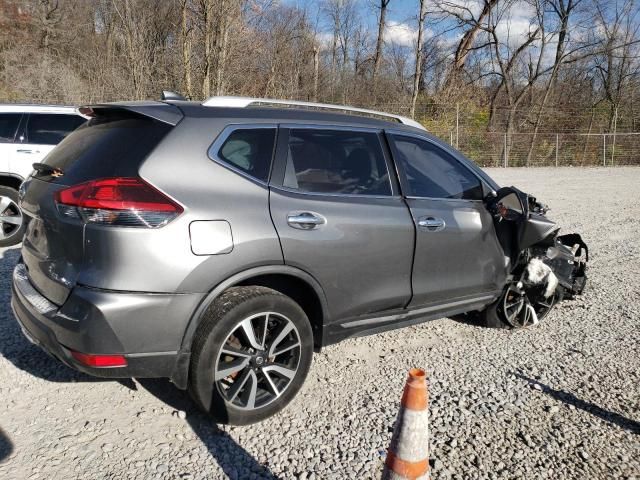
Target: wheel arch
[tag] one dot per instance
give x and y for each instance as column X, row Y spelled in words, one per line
column 10, row 180
column 290, row 281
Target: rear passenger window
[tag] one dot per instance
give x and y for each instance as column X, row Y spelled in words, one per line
column 249, row 150
column 50, row 129
column 336, row 161
column 8, row 126
column 431, row 172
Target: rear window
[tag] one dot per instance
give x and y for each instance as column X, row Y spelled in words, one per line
column 50, row 128
column 8, row 126
column 106, row 147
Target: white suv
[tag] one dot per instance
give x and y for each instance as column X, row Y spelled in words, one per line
column 27, row 134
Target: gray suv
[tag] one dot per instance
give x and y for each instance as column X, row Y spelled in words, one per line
column 220, row 243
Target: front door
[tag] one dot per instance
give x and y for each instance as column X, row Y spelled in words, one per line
column 457, row 253
column 341, row 219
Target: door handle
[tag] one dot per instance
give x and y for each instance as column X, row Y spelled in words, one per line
column 432, row 224
column 25, row 151
column 305, row 220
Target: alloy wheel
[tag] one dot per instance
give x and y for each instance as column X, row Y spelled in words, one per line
column 258, row 360
column 10, row 218
column 522, row 308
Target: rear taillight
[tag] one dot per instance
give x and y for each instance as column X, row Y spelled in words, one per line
column 126, row 202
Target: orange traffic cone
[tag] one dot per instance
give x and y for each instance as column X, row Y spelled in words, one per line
column 408, row 455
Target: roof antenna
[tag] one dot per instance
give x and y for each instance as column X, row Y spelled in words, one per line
column 169, row 95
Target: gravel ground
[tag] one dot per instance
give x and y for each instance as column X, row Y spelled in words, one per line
column 560, row 400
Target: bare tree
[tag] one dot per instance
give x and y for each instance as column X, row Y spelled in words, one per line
column 473, row 25
column 615, row 62
column 563, row 9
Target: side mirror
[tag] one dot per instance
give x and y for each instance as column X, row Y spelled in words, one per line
column 509, row 207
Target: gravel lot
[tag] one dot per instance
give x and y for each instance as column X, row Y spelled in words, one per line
column 560, row 400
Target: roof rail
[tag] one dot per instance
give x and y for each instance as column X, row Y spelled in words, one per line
column 242, row 102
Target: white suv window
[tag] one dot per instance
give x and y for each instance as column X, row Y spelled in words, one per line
column 8, row 126
column 50, row 129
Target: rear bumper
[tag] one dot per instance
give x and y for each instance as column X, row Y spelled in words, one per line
column 146, row 328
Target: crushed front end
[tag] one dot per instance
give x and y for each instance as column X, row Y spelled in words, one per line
column 544, row 267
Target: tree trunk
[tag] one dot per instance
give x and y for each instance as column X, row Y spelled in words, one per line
column 316, row 71
column 588, row 136
column 186, row 51
column 377, row 58
column 222, row 41
column 466, row 43
column 206, row 77
column 419, row 54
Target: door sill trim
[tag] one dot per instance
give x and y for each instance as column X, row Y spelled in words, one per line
column 419, row 311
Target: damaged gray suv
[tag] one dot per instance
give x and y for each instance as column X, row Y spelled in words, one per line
column 220, row 243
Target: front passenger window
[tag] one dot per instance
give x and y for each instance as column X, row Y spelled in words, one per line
column 431, row 172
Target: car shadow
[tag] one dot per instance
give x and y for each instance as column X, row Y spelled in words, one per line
column 6, row 447
column 470, row 318
column 234, row 460
column 570, row 399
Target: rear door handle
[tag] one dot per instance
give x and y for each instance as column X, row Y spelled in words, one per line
column 25, row 151
column 305, row 220
column 432, row 224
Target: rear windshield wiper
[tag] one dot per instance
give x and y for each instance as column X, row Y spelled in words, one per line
column 44, row 169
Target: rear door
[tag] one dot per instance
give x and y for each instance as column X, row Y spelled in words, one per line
column 340, row 217
column 43, row 131
column 9, row 123
column 457, row 254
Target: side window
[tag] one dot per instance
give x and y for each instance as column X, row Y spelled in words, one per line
column 249, row 150
column 336, row 161
column 432, row 172
column 8, row 126
column 49, row 128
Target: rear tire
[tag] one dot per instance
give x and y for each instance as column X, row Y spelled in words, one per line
column 251, row 354
column 11, row 221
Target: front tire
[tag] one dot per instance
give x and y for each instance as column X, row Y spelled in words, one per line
column 11, row 220
column 251, row 354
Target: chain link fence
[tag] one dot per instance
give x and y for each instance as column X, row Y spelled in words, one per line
column 566, row 136
column 492, row 149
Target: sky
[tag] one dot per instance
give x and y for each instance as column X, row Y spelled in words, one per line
column 401, row 16
column 402, row 19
